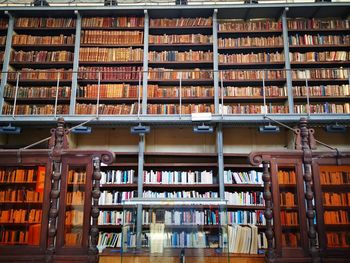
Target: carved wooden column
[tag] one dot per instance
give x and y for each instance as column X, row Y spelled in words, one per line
column 266, row 177
column 96, row 193
column 309, row 195
column 58, row 142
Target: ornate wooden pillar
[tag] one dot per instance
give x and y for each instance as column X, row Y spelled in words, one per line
column 96, row 193
column 58, row 142
column 309, row 195
column 269, row 233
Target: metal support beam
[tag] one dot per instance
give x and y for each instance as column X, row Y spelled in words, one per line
column 220, row 150
column 216, row 61
column 5, row 66
column 287, row 61
column 140, row 189
column 145, row 63
column 75, row 65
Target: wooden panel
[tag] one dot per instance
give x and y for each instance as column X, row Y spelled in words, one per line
column 233, row 259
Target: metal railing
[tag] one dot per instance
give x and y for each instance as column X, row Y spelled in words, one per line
column 181, row 92
column 144, row 2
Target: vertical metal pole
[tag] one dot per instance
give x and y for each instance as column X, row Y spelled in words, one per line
column 145, row 63
column 180, row 111
column 216, row 61
column 140, row 189
column 219, row 145
column 287, row 62
column 98, row 94
column 15, row 101
column 56, row 97
column 73, row 95
column 264, row 92
column 139, row 96
column 5, row 65
column 222, row 93
column 307, row 94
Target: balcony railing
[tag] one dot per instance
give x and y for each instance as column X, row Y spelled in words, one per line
column 177, row 92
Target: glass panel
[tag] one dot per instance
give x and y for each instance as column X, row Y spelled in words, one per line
column 289, row 207
column 176, row 229
column 335, row 185
column 21, row 200
column 73, row 228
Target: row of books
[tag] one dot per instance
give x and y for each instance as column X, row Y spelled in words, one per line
column 31, row 236
column 177, row 56
column 111, row 197
column 337, row 217
column 41, row 56
column 61, row 39
column 2, row 40
column 244, row 239
column 286, row 177
column 245, row 198
column 180, row 39
column 254, row 75
column 21, row 195
column 155, row 91
column 250, row 177
column 323, row 108
column 74, row 218
column 117, row 177
column 274, row 41
column 44, row 22
column 177, row 109
column 249, row 25
column 12, row 174
column 181, row 22
column 322, row 90
column 289, row 218
column 287, row 199
column 270, row 91
column 252, row 109
column 340, row 239
column 76, row 177
column 109, row 91
column 185, row 74
column 178, row 177
column 251, row 57
column 181, row 217
column 3, row 23
column 37, row 92
column 179, row 194
column 309, row 40
column 42, row 74
column 330, row 177
column 33, row 109
column 110, row 240
column 316, row 23
column 112, row 22
column 320, row 56
column 107, row 109
column 115, row 217
column 73, row 239
column 110, row 73
column 290, row 240
column 75, row 198
column 244, row 217
column 111, row 37
column 97, row 54
column 20, row 216
column 336, row 199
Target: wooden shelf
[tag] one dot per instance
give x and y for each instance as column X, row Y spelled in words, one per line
column 180, row 165
column 108, row 100
column 118, row 186
column 251, row 48
column 39, row 47
column 43, row 65
column 244, row 186
column 108, row 81
column 112, row 28
column 111, row 45
column 181, row 186
column 246, row 207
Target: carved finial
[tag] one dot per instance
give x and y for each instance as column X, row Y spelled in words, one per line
column 59, row 139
